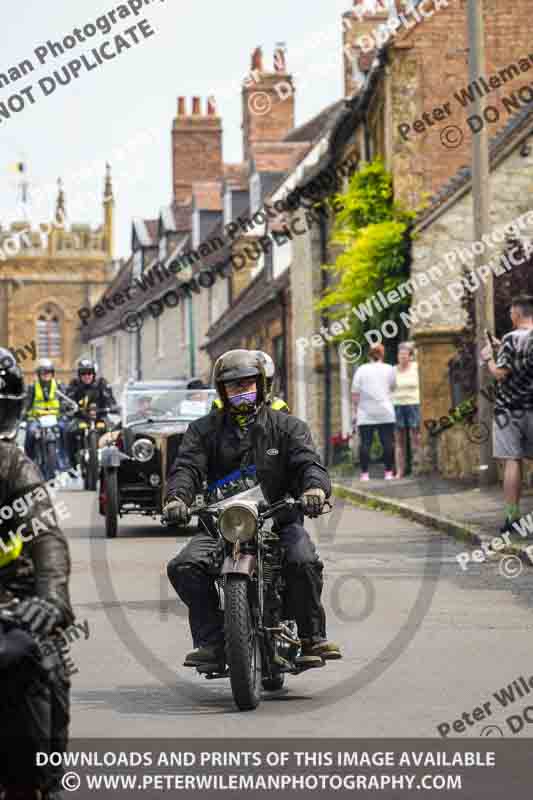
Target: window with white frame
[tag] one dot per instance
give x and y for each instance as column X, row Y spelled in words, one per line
column 137, row 263
column 196, row 229
column 255, row 192
column 227, row 206
column 163, row 248
column 49, row 333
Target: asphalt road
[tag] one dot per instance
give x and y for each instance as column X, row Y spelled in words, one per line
column 423, row 641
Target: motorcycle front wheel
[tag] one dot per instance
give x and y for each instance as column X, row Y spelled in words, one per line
column 92, row 463
column 243, row 652
column 50, row 459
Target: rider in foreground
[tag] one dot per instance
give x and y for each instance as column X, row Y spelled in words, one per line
column 34, row 570
column 249, row 432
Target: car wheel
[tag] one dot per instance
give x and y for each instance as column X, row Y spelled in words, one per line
column 112, row 504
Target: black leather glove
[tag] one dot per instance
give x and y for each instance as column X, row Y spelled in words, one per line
column 313, row 502
column 176, row 511
column 38, row 616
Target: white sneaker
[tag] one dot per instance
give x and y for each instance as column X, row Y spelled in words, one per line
column 389, row 476
column 364, row 476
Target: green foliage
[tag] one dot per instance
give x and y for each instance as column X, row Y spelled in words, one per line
column 373, row 231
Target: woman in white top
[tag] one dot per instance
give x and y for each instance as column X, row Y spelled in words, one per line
column 406, row 399
column 372, row 403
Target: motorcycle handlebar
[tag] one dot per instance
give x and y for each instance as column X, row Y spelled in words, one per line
column 266, row 510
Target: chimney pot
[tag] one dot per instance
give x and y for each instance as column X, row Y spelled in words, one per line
column 257, row 59
column 196, row 105
column 280, row 61
column 211, row 106
column 181, row 107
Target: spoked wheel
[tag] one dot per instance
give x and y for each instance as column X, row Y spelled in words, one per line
column 243, row 652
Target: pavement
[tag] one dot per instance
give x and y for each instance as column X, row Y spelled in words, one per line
column 423, row 640
column 459, row 508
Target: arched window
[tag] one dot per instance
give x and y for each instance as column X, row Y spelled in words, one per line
column 49, row 333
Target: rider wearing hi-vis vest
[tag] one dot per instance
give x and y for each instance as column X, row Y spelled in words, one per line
column 275, row 403
column 43, row 399
column 44, row 403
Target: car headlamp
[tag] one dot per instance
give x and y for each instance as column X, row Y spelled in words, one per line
column 238, row 521
column 143, row 450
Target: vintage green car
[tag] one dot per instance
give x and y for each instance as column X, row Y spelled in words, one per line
column 137, row 456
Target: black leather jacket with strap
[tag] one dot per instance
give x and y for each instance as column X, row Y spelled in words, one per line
column 43, row 568
column 278, row 444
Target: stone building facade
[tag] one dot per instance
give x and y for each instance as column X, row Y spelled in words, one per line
column 49, row 274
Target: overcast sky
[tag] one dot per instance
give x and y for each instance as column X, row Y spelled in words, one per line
column 199, row 48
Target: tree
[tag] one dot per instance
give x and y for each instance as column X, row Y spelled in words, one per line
column 375, row 234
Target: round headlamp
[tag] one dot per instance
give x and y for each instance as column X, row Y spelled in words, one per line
column 143, row 450
column 238, row 521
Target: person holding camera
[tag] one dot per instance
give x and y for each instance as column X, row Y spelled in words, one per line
column 510, row 362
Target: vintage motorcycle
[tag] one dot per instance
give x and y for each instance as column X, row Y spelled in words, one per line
column 91, row 426
column 261, row 642
column 48, row 437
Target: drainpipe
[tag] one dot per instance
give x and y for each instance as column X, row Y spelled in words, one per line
column 284, row 328
column 139, row 354
column 192, row 341
column 327, row 352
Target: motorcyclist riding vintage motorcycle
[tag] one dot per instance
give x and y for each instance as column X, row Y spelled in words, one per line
column 44, row 399
column 34, row 602
column 86, row 390
column 280, row 446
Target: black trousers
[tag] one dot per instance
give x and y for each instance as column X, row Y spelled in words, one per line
column 386, row 435
column 192, row 574
column 35, row 715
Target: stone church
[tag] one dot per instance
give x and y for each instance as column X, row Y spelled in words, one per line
column 46, row 275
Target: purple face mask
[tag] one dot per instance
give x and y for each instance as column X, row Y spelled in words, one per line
column 244, row 399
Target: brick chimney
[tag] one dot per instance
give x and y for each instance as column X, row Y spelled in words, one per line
column 360, row 39
column 196, row 147
column 267, row 101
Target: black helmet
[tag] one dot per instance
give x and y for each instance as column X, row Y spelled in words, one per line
column 237, row 364
column 85, row 365
column 45, row 365
column 12, row 394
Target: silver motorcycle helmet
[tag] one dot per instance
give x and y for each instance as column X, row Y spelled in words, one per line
column 237, row 364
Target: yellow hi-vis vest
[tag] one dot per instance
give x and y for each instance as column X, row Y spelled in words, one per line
column 40, row 406
column 9, row 551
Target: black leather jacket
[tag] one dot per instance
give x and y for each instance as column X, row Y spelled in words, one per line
column 98, row 392
column 278, row 444
column 43, row 568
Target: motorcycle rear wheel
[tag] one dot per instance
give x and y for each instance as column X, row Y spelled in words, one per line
column 243, row 652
